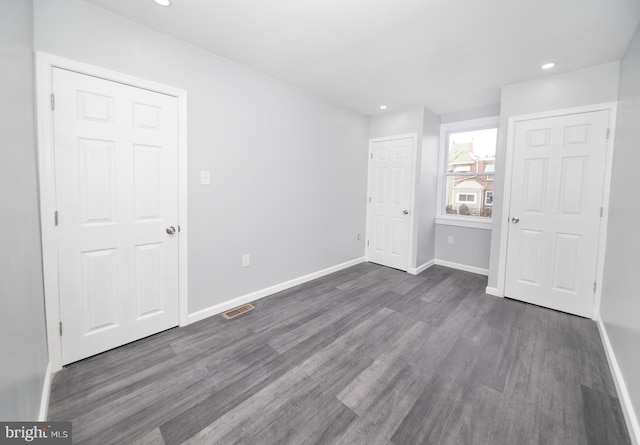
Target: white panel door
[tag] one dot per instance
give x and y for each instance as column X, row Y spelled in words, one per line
column 554, row 221
column 116, row 195
column 390, row 182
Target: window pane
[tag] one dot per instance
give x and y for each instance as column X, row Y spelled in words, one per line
column 472, row 151
column 469, row 195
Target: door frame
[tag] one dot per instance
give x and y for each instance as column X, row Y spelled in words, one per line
column 45, row 63
column 411, row 252
column 508, row 180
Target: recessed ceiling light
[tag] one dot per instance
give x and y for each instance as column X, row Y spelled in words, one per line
column 163, row 2
column 548, row 66
column 383, row 107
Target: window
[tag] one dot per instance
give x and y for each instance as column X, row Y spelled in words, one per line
column 490, row 169
column 488, row 198
column 463, row 197
column 466, row 180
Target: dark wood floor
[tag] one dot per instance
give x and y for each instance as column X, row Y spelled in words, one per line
column 368, row 355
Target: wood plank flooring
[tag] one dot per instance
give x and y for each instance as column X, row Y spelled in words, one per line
column 368, row 355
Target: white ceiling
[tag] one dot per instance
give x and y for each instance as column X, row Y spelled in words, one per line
column 449, row 55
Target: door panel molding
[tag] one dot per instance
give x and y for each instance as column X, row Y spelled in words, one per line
column 45, row 63
column 507, row 186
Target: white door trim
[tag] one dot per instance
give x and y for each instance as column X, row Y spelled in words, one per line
column 44, row 69
column 508, row 178
column 413, row 221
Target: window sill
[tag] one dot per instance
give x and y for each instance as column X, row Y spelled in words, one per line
column 470, row 222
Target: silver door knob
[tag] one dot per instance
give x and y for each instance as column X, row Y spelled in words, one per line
column 171, row 230
column 405, row 212
column 515, row 220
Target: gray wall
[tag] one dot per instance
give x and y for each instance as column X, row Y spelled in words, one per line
column 427, row 126
column 477, row 113
column 288, row 169
column 428, row 188
column 594, row 85
column 620, row 305
column 471, row 247
column 23, row 346
column 393, row 123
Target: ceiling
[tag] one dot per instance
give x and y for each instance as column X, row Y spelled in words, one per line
column 448, row 55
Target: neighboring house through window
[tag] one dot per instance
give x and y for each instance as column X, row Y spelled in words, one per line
column 466, row 180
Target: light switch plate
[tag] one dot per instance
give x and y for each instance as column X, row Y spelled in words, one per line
column 205, row 177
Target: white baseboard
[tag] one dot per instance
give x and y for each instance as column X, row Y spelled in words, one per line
column 623, row 393
column 253, row 296
column 46, row 392
column 464, row 267
column 493, row 291
column 420, row 269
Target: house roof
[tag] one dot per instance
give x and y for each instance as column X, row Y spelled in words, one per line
column 460, row 154
column 469, row 184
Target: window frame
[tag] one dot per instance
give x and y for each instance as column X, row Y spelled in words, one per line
column 446, row 130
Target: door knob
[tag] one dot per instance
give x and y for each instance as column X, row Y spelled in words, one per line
column 405, row 212
column 171, row 230
column 515, row 220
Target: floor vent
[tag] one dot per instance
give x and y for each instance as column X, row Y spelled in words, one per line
column 236, row 312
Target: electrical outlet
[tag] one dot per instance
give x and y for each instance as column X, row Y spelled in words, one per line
column 246, row 260
column 450, row 239
column 205, row 178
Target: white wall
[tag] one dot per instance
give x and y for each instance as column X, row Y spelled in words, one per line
column 594, row 85
column 23, row 345
column 620, row 304
column 288, row 169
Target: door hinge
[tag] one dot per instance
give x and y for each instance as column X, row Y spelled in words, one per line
column 608, row 132
column 371, row 156
column 595, row 285
column 367, row 243
column 178, row 228
column 60, row 328
column 53, row 102
column 55, row 217
column 369, row 199
column 601, row 211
